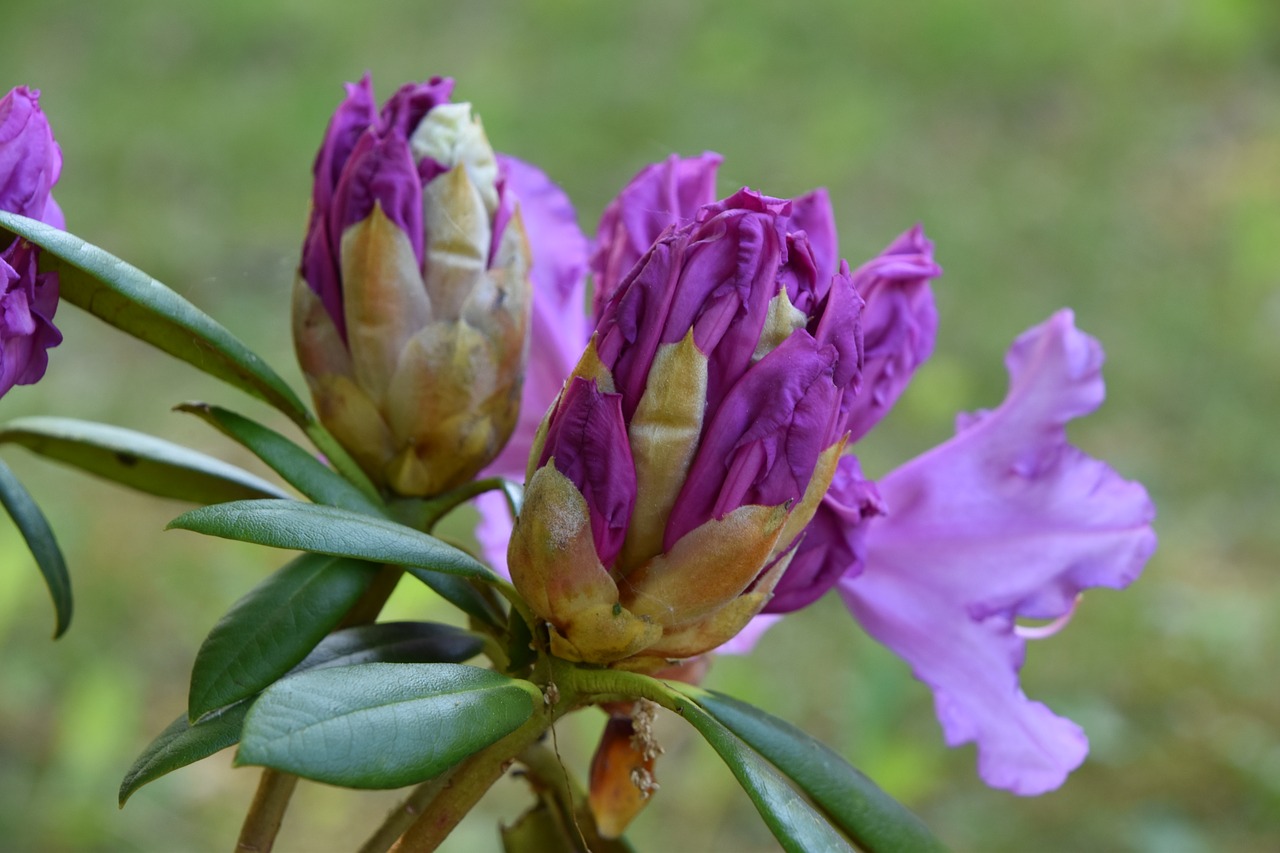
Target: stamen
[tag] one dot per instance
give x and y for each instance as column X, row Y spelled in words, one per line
column 1040, row 632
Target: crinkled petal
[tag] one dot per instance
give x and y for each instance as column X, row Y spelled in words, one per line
column 1005, row 520
column 659, row 196
column 899, row 324
column 559, row 330
column 30, row 159
column 812, row 214
column 716, row 277
column 403, row 111
column 30, row 163
column 762, row 445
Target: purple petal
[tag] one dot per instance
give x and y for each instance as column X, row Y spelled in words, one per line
column 898, row 323
column 493, row 531
column 715, row 277
column 30, row 163
column 28, row 300
column 379, row 170
column 838, row 323
column 832, row 545
column 763, row 443
column 1005, row 520
column 404, row 110
column 812, row 214
column 659, row 196
column 354, row 116
column 30, row 159
column 746, row 639
column 559, row 330
column 365, row 158
column 588, row 440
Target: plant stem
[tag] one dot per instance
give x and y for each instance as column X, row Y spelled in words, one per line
column 463, row 786
column 267, row 812
column 403, row 816
column 440, row 506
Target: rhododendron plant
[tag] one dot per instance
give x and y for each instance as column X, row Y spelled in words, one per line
column 662, row 470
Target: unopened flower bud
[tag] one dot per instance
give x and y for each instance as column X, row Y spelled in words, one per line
column 670, row 483
column 412, row 304
column 30, row 162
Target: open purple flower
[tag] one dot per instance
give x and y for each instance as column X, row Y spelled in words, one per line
column 690, row 446
column 1004, row 521
column 940, row 558
column 30, row 162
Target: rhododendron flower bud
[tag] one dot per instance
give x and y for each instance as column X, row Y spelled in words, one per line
column 30, row 162
column 689, row 448
column 412, row 304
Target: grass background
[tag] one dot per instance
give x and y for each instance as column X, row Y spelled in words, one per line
column 1120, row 158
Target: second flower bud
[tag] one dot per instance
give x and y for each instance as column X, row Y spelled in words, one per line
column 412, row 304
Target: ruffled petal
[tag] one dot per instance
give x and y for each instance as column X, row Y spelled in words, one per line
column 659, row 196
column 898, row 323
column 1005, row 520
column 763, row 443
column 812, row 214
column 30, row 159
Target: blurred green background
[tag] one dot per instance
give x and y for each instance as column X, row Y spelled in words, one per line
column 1120, row 158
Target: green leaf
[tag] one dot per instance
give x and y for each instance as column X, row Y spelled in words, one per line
column 181, row 744
column 462, row 594
column 394, row 642
column 873, row 819
column 273, row 627
column 137, row 460
column 35, row 529
column 382, row 725
column 329, row 530
column 400, row 642
column 298, row 467
column 135, row 303
column 797, row 825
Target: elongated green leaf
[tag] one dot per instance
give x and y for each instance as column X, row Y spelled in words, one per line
column 797, row 825
column 382, row 725
column 329, row 530
column 137, row 460
column 181, row 744
column 273, row 627
column 299, row 468
column 401, row 642
column 394, row 642
column 462, row 594
column 873, row 819
column 134, row 302
column 35, row 529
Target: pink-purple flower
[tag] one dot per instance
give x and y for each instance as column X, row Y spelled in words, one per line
column 30, row 162
column 691, row 444
column 939, row 559
column 1004, row 521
